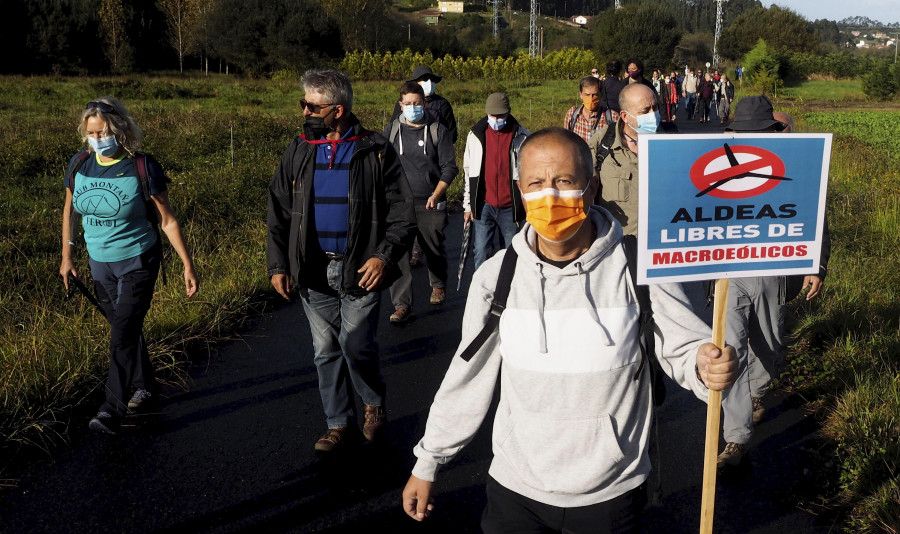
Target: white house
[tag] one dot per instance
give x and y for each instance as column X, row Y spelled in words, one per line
column 450, row 7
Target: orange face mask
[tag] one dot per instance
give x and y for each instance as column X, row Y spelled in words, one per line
column 555, row 215
column 591, row 103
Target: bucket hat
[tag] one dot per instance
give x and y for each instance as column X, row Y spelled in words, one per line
column 754, row 114
column 424, row 71
column 497, row 104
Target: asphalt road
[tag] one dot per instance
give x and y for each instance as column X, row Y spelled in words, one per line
column 234, row 452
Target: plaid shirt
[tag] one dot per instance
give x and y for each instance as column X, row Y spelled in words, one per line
column 585, row 127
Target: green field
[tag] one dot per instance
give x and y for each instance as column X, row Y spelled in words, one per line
column 219, row 139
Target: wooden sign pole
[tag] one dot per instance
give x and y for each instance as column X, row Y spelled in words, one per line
column 710, row 453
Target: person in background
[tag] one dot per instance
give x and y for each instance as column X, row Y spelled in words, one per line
column 573, row 423
column 689, row 92
column 429, row 161
column 586, row 118
column 725, row 90
column 611, row 86
column 756, row 310
column 340, row 218
column 595, row 73
column 490, row 169
column 435, row 105
column 671, row 100
column 106, row 184
column 705, row 94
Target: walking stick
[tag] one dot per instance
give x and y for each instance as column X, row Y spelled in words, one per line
column 708, row 501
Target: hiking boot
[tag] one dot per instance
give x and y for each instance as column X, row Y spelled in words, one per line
column 331, row 440
column 758, row 409
column 733, row 454
column 438, row 295
column 140, row 398
column 375, row 418
column 105, row 422
column 415, row 258
column 400, row 315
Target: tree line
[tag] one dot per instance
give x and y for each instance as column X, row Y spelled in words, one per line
column 259, row 37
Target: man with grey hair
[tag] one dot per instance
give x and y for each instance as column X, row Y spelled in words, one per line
column 340, row 217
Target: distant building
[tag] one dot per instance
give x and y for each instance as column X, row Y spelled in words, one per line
column 855, row 33
column 581, row 20
column 880, row 35
column 862, row 44
column 430, row 16
column 450, row 7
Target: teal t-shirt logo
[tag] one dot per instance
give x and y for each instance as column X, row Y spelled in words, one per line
column 114, row 213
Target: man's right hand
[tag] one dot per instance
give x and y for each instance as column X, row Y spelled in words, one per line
column 417, row 501
column 282, row 284
column 467, row 216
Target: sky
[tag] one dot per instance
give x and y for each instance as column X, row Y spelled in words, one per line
column 885, row 11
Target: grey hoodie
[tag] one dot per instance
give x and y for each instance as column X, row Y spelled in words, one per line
column 572, row 425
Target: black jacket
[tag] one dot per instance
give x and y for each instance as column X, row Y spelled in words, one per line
column 382, row 220
column 440, row 108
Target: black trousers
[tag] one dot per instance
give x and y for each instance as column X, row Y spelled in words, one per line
column 508, row 512
column 125, row 291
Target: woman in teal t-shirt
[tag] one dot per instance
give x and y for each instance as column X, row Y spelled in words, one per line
column 123, row 246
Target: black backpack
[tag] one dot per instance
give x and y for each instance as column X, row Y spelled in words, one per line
column 646, row 323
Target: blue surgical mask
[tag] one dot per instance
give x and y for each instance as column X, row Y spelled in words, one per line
column 427, row 87
column 648, row 122
column 105, row 146
column 413, row 113
column 496, row 124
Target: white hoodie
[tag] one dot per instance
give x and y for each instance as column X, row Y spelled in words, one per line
column 572, row 425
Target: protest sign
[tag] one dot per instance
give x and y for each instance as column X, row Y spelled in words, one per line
column 730, row 205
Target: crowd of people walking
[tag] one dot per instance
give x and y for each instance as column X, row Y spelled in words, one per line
column 552, row 312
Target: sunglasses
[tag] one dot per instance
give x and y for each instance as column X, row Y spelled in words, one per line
column 102, row 106
column 314, row 108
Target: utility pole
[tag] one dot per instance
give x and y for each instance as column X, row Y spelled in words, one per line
column 496, row 17
column 718, row 32
column 532, row 31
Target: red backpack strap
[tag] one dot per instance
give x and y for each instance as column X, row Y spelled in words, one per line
column 140, row 162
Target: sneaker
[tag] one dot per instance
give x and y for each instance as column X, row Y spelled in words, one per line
column 105, row 422
column 375, row 418
column 331, row 440
column 758, row 409
column 438, row 295
column 733, row 454
column 400, row 315
column 140, row 397
column 415, row 258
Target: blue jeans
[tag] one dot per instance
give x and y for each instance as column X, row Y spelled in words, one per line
column 492, row 219
column 690, row 101
column 346, row 354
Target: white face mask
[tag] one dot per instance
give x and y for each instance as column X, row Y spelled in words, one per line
column 496, row 124
column 427, row 87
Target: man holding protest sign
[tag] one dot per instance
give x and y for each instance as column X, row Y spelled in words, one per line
column 573, row 422
column 756, row 311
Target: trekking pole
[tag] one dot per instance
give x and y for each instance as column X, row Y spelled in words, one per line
column 708, row 501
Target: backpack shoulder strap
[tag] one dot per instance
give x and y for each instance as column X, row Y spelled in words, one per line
column 80, row 158
column 140, row 163
column 645, row 325
column 605, row 147
column 433, row 130
column 574, row 119
column 395, row 128
column 498, row 303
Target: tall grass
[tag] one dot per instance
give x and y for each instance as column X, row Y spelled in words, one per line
column 847, row 354
column 219, row 140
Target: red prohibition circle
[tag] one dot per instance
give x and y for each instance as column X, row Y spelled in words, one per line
column 703, row 181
